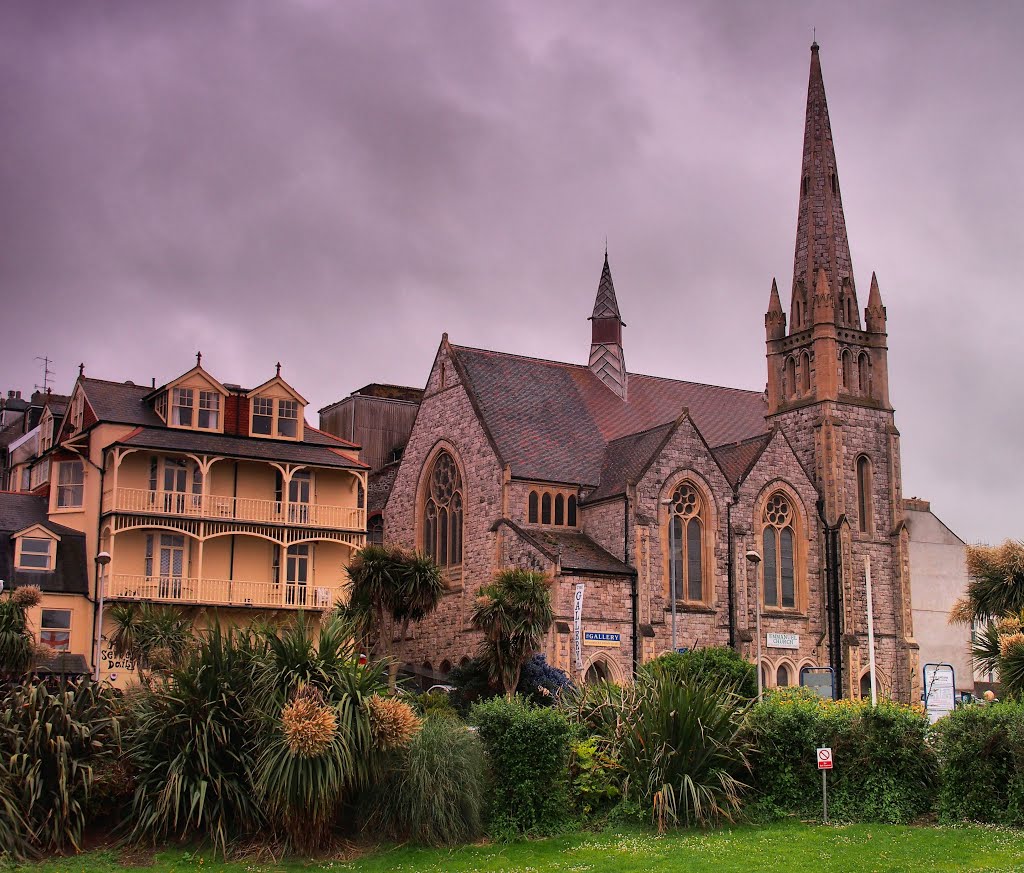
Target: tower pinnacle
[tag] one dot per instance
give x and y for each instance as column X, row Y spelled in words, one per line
column 607, row 360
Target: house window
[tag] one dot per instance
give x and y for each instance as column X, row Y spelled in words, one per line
column 779, row 559
column 40, row 473
column 167, row 564
column 263, row 416
column 181, row 406
column 375, row 530
column 70, row 484
column 287, row 418
column 864, row 493
column 687, row 543
column 443, row 513
column 35, row 553
column 55, row 629
column 297, row 574
column 209, row 410
column 161, row 406
column 299, row 494
column 46, row 434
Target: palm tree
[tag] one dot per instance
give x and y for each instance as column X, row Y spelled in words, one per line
column 389, row 589
column 995, row 600
column 154, row 637
column 514, row 612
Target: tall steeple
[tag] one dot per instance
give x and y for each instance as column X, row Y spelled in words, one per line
column 821, row 242
column 607, row 360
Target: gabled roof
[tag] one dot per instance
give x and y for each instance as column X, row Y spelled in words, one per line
column 553, row 421
column 120, row 402
column 277, row 380
column 627, row 458
column 737, row 459
column 574, row 550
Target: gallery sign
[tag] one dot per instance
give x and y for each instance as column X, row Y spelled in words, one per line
column 783, row 641
column 600, row 638
column 577, row 620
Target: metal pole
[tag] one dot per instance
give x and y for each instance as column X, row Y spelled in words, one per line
column 824, row 796
column 672, row 583
column 757, row 606
column 871, row 630
column 99, row 621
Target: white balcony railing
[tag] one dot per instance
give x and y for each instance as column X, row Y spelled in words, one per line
column 219, row 507
column 220, row 592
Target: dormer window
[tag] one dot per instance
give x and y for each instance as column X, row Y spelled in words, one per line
column 46, row 432
column 182, row 402
column 209, row 410
column 287, row 418
column 263, row 415
column 35, row 553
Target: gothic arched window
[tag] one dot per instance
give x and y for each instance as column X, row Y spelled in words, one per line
column 545, row 509
column 687, row 516
column 532, row 510
column 805, row 373
column 571, row 511
column 864, row 493
column 782, row 676
column 375, row 530
column 862, row 373
column 443, row 513
column 789, row 377
column 559, row 509
column 779, row 539
column 847, row 369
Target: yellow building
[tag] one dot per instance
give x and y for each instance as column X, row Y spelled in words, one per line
column 205, row 495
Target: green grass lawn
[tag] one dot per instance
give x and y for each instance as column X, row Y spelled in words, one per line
column 791, row 847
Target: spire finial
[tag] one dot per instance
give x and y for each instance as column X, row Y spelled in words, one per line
column 606, row 247
column 199, row 359
column 814, row 39
column 81, row 370
column 278, row 365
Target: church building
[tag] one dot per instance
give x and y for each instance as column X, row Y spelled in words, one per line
column 653, row 493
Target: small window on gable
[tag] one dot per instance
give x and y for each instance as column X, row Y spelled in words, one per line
column 182, row 401
column 35, row 553
column 262, row 415
column 287, row 418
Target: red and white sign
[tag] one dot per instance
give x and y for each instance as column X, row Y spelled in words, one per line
column 824, row 759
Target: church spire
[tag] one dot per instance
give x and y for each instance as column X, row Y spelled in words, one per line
column 607, row 360
column 821, row 242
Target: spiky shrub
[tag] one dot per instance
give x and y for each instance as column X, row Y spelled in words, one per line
column 304, row 792
column 433, row 792
column 155, row 637
column 17, row 644
column 514, row 613
column 50, row 742
column 191, row 746
column 679, row 744
column 528, row 753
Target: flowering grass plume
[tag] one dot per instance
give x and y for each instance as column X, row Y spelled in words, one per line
column 309, row 725
column 27, row 596
column 393, row 723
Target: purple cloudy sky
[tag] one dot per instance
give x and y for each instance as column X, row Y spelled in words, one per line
column 333, row 184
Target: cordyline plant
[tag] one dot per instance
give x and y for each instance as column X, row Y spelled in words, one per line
column 390, row 588
column 995, row 600
column 17, row 645
column 514, row 612
column 155, row 638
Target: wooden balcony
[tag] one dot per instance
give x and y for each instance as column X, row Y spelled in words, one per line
column 221, row 592
column 223, row 508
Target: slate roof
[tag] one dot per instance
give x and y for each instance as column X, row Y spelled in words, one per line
column 70, row 575
column 319, row 449
column 120, row 402
column 557, row 422
column 626, row 459
column 577, row 551
column 737, row 459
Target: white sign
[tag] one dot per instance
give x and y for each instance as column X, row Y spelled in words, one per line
column 783, row 641
column 939, row 690
column 824, row 759
column 577, row 618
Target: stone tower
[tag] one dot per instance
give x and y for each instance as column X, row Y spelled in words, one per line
column 606, row 356
column 828, row 389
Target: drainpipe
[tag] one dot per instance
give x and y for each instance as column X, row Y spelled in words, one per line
column 732, row 570
column 835, row 618
column 634, row 594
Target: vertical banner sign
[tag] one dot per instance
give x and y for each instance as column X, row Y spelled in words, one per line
column 577, row 618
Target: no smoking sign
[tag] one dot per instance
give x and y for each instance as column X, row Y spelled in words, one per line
column 824, row 759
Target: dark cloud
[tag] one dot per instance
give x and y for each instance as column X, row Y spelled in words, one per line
column 334, row 185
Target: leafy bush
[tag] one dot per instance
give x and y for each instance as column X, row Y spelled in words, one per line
column 192, row 746
column 528, row 751
column 472, row 683
column 981, row 750
column 594, row 776
column 50, row 741
column 434, row 791
column 885, row 768
column 679, row 743
column 436, row 703
column 541, row 682
column 716, row 664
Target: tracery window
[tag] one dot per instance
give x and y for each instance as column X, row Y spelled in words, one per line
column 686, row 561
column 779, row 538
column 545, row 507
column 443, row 513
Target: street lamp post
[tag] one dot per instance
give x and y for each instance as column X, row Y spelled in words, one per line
column 755, row 560
column 672, row 558
column 102, row 559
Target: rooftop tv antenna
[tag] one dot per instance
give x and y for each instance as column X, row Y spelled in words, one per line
column 47, row 374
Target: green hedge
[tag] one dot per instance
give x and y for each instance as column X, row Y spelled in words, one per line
column 885, row 768
column 714, row 664
column 981, row 749
column 528, row 751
